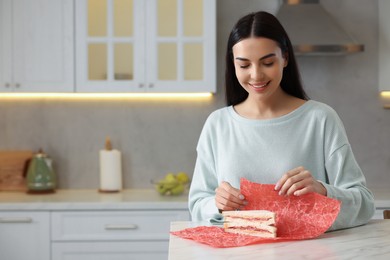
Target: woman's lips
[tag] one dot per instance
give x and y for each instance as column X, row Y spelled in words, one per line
column 259, row 86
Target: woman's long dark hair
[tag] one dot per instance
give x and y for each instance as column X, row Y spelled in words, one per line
column 261, row 24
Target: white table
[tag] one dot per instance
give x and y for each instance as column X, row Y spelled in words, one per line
column 371, row 241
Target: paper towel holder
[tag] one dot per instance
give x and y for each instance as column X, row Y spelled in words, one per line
column 110, row 169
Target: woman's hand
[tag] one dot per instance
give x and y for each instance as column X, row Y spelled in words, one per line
column 228, row 198
column 299, row 181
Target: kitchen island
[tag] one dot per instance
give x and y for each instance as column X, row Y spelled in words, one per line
column 371, row 241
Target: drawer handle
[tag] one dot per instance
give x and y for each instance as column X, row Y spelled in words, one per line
column 15, row 220
column 121, row 227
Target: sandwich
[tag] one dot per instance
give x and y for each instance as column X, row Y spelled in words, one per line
column 260, row 223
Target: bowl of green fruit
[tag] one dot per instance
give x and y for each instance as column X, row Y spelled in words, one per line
column 172, row 184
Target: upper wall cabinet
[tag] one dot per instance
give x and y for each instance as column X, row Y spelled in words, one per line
column 36, row 46
column 384, row 51
column 146, row 45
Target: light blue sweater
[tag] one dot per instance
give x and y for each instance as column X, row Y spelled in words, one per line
column 313, row 136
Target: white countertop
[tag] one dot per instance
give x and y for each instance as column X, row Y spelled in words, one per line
column 126, row 199
column 371, row 241
column 142, row 199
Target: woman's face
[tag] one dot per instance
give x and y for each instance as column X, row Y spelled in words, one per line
column 259, row 64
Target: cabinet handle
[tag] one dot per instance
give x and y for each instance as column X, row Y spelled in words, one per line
column 17, row 85
column 121, row 227
column 16, row 220
column 151, row 85
column 141, row 85
column 7, row 85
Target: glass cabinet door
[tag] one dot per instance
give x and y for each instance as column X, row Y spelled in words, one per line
column 110, row 46
column 182, row 45
column 146, row 45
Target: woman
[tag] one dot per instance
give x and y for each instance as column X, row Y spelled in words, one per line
column 270, row 132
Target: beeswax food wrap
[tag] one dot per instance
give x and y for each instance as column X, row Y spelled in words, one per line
column 298, row 217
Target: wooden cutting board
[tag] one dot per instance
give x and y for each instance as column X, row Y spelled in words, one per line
column 13, row 168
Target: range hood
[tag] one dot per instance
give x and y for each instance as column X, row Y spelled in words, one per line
column 313, row 31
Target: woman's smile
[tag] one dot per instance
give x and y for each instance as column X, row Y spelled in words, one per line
column 261, row 86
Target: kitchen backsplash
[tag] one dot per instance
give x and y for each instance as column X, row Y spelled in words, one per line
column 156, row 137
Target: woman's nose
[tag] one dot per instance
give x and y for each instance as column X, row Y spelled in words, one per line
column 257, row 73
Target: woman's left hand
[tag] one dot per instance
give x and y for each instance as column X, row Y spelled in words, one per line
column 299, row 181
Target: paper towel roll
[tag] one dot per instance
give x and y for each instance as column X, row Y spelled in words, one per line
column 110, row 171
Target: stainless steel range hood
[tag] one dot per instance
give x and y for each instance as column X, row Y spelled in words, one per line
column 313, row 31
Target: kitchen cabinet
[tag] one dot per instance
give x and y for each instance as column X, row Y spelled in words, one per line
column 382, row 202
column 384, row 51
column 113, row 235
column 379, row 213
column 87, row 224
column 146, row 45
column 109, row 251
column 36, row 47
column 25, row 235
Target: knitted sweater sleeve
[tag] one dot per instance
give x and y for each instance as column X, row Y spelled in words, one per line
column 204, row 182
column 345, row 180
column 348, row 185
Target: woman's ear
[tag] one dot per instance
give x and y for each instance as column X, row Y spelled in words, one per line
column 285, row 56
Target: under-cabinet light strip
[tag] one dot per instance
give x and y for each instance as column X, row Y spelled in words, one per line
column 385, row 99
column 385, row 94
column 106, row 95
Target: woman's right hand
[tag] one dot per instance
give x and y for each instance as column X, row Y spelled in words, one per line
column 229, row 198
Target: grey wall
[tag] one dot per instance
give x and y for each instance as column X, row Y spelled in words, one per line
column 156, row 137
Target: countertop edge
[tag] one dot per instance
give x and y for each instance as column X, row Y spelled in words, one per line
column 91, row 200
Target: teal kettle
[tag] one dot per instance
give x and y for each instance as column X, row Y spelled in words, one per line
column 40, row 175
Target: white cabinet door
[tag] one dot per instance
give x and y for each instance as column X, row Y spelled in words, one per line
column 146, row 45
column 38, row 48
column 181, row 45
column 5, row 46
column 114, row 226
column 113, row 235
column 384, row 51
column 378, row 214
column 110, row 45
column 25, row 235
column 111, row 251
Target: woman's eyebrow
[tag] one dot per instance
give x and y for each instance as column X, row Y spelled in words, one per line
column 267, row 56
column 262, row 58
